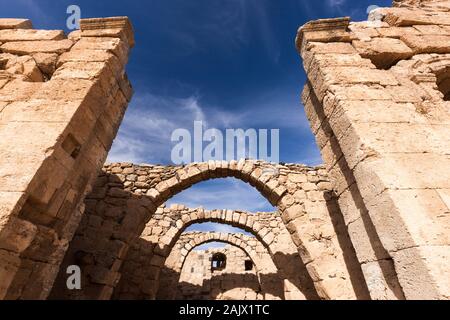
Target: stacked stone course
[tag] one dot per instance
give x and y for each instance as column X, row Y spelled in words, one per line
column 167, row 225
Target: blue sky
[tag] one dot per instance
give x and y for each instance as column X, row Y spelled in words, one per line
column 229, row 63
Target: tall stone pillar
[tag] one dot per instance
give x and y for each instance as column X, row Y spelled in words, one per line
column 61, row 102
column 377, row 102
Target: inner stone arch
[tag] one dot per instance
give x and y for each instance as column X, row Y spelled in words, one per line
column 167, row 225
column 269, row 284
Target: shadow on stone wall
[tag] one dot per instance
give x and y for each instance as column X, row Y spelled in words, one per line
column 383, row 258
column 112, row 224
column 153, row 282
column 211, row 289
column 351, row 260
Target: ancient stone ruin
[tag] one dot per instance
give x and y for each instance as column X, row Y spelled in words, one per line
column 373, row 222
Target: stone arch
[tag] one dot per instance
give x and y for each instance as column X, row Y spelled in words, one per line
column 259, row 174
column 126, row 196
column 168, row 224
column 238, row 240
column 182, row 217
column 271, row 284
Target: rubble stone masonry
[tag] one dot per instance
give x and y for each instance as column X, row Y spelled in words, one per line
column 190, row 270
column 234, row 282
column 124, row 202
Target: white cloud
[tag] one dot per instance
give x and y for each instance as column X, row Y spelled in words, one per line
column 127, row 149
column 228, row 193
column 336, row 3
column 144, row 135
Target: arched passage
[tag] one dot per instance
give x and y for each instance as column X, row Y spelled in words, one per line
column 198, row 281
column 167, row 224
column 242, row 241
column 268, row 277
column 126, row 196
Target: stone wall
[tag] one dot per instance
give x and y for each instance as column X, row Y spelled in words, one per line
column 61, row 102
column 197, row 281
column 377, row 101
column 263, row 278
column 161, row 233
column 126, row 196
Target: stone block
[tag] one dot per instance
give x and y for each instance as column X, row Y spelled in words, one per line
column 8, row 23
column 30, row 47
column 383, row 52
column 8, row 35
